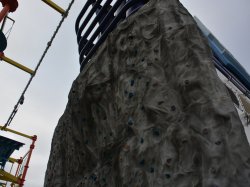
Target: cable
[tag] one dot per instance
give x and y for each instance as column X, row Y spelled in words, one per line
column 21, row 99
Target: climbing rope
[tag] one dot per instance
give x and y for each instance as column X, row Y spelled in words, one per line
column 21, row 99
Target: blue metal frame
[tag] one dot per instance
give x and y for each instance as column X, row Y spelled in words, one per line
column 107, row 17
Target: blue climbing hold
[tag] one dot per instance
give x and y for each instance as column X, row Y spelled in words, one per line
column 142, row 162
column 130, row 95
column 142, row 140
column 152, row 170
column 130, row 121
column 93, row 177
column 132, row 82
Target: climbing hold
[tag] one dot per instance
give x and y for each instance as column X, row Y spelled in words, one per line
column 184, row 141
column 126, row 147
column 142, row 162
column 93, row 177
column 173, row 108
column 169, row 161
column 87, row 142
column 152, row 170
column 168, row 176
column 213, row 170
column 160, row 102
column 130, row 95
column 130, row 37
column 142, row 141
column 156, row 132
column 218, row 142
column 130, row 121
column 132, row 82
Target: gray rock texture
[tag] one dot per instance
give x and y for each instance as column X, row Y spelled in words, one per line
column 149, row 111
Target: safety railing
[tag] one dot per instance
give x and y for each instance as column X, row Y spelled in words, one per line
column 23, row 163
column 231, row 77
column 102, row 17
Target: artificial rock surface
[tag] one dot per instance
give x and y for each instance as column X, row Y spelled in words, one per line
column 150, row 111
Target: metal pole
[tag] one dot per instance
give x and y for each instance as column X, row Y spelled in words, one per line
column 3, row 24
column 32, row 146
column 4, row 12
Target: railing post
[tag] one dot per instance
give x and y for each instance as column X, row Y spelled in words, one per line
column 26, row 167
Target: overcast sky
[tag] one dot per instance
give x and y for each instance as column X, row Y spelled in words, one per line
column 45, row 101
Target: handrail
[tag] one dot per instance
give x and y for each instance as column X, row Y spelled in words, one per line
column 80, row 16
column 97, row 19
column 231, row 77
column 87, row 47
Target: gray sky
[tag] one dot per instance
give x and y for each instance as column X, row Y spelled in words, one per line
column 45, row 101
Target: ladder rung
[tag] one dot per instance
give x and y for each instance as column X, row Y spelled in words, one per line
column 13, row 160
column 14, row 63
column 15, row 132
column 54, row 6
column 5, row 176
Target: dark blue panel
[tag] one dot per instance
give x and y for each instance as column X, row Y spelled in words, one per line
column 7, row 147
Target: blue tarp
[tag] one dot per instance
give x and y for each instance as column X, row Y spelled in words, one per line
column 7, row 147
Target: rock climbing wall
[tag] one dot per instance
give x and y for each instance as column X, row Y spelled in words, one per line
column 149, row 111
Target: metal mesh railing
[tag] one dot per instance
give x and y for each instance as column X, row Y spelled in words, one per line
column 102, row 17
